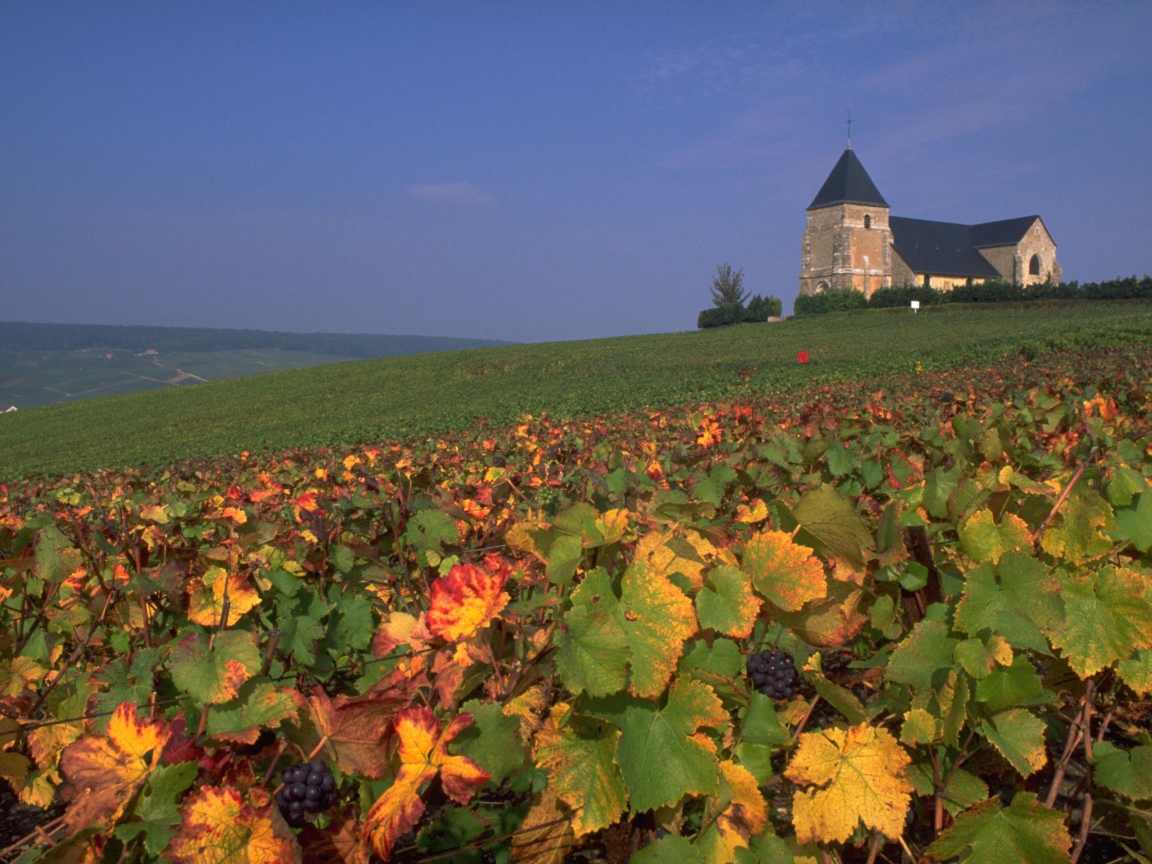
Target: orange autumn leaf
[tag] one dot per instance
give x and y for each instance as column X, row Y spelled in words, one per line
column 423, row 754
column 709, row 433
column 103, row 772
column 464, row 601
column 236, row 514
column 861, row 772
column 784, row 572
column 206, row 597
column 401, row 629
column 220, row 828
column 758, row 512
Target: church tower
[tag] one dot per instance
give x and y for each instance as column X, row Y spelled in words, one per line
column 847, row 243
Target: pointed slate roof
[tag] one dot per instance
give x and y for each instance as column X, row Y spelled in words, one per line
column 848, row 183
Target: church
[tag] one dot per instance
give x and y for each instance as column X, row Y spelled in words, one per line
column 852, row 242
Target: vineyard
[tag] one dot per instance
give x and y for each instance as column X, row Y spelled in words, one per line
column 897, row 618
column 453, row 391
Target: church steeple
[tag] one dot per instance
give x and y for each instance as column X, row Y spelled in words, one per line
column 848, row 183
column 848, row 243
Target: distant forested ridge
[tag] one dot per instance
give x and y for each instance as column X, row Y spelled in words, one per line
column 20, row 336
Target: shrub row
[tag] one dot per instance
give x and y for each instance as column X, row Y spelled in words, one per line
column 992, row 291
column 758, row 309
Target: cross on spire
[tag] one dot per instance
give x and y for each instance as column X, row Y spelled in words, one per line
column 849, row 110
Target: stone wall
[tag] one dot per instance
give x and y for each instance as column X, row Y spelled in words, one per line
column 1013, row 262
column 838, row 251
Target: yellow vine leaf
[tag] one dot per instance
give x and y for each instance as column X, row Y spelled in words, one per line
column 220, row 828
column 861, row 770
column 658, row 617
column 103, row 772
column 579, row 755
column 206, row 597
column 545, row 835
column 423, row 754
column 682, row 551
column 784, row 572
column 465, row 601
column 743, row 819
column 528, row 708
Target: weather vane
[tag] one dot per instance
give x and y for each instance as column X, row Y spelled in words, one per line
column 849, row 110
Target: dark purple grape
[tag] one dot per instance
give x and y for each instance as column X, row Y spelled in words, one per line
column 306, row 788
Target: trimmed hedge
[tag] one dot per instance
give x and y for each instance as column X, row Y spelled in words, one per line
column 992, row 291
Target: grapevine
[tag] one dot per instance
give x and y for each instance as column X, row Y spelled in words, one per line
column 902, row 619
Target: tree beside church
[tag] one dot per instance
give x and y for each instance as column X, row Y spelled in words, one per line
column 851, row 241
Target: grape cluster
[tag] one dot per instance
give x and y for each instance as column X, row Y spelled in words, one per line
column 772, row 673
column 307, row 788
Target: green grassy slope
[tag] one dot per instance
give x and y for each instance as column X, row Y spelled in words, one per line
column 433, row 393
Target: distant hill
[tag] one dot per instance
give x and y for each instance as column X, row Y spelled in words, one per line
column 43, row 364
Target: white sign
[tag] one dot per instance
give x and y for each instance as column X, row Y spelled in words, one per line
column 915, row 305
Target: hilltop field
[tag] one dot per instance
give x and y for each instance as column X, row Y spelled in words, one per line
column 429, row 394
column 663, row 598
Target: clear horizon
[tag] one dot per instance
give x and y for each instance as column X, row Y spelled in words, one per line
column 533, row 172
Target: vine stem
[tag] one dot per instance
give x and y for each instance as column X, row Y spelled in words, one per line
column 1063, row 496
column 1075, row 732
column 804, row 719
column 75, row 655
column 1085, row 827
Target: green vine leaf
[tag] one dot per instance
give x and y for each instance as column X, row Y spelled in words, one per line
column 1107, row 616
column 660, row 753
column 1019, row 736
column 1082, row 528
column 1025, row 832
column 922, row 653
column 215, row 675
column 1128, row 772
column 984, row 541
column 578, row 754
column 726, row 602
column 829, row 516
column 1019, row 599
column 592, row 647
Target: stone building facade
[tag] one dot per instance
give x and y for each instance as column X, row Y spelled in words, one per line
column 852, row 241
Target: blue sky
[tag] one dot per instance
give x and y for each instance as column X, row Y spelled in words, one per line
column 533, row 170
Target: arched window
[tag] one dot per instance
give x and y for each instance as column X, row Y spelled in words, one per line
column 822, row 286
column 867, row 222
column 1034, row 266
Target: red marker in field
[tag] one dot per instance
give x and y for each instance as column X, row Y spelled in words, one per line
column 802, row 357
